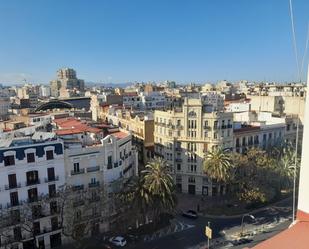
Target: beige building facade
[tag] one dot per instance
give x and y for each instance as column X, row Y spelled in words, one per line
column 183, row 137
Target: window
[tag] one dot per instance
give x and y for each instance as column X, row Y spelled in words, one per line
column 178, row 166
column 76, row 167
column 32, row 177
column 9, row 160
column 49, row 155
column 33, row 195
column 51, row 174
column 52, row 190
column 14, row 198
column 109, row 162
column 54, row 222
column 17, row 233
column 53, row 207
column 30, row 158
column 36, row 227
column 12, row 181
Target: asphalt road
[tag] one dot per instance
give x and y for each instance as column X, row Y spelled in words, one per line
column 195, row 235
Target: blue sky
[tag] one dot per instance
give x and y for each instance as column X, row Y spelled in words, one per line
column 143, row 40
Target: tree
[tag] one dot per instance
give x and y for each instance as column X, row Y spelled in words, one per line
column 217, row 165
column 21, row 224
column 81, row 210
column 160, row 186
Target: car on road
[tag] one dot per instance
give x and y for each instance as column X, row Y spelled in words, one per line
column 241, row 241
column 118, row 241
column 190, row 214
column 132, row 237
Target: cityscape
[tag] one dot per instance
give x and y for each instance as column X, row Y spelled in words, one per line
column 212, row 162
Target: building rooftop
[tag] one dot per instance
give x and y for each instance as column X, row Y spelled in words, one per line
column 294, row 237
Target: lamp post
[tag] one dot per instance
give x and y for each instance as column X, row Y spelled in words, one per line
column 242, row 221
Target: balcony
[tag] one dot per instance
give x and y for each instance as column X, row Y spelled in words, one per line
column 33, row 182
column 179, row 127
column 12, row 186
column 78, row 187
column 93, row 169
column 94, row 199
column 171, row 126
column 178, row 149
column 78, row 203
column 178, row 160
column 223, row 126
column 13, row 204
column 207, row 127
column 33, row 199
column 80, row 171
column 216, row 127
column 54, row 210
column 51, row 179
column 229, row 126
column 94, row 184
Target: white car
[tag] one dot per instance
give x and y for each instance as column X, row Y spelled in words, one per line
column 118, row 241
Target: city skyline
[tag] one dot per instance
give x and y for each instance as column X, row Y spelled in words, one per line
column 117, row 42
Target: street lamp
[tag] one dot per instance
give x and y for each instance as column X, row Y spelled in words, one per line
column 242, row 221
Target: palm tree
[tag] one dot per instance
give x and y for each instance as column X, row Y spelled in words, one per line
column 160, row 186
column 217, row 165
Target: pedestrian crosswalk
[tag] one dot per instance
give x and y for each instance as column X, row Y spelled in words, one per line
column 175, row 227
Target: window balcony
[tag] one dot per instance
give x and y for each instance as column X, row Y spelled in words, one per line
column 93, row 169
column 33, row 182
column 78, row 187
column 51, row 179
column 94, row 184
column 78, row 203
column 12, row 186
column 80, row 171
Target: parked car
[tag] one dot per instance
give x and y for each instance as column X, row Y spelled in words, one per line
column 190, row 214
column 118, row 241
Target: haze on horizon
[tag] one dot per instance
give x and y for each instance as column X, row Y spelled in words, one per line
column 127, row 41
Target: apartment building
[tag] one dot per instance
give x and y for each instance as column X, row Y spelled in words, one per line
column 184, row 135
column 94, row 169
column 141, row 124
column 66, row 80
column 263, row 130
column 31, row 170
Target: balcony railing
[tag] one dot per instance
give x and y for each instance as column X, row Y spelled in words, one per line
column 93, row 169
column 178, row 149
column 13, row 204
column 75, row 172
column 78, row 187
column 206, row 127
column 93, row 184
column 179, row 127
column 229, row 126
column 179, row 160
column 12, row 186
column 33, row 182
column 78, row 203
column 52, row 179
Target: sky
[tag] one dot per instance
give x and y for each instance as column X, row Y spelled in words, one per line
column 151, row 40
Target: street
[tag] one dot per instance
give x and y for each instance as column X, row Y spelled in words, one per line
column 276, row 218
